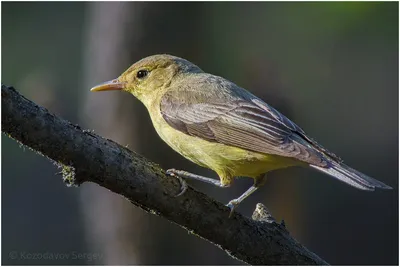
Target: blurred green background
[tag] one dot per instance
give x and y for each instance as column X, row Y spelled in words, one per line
column 331, row 67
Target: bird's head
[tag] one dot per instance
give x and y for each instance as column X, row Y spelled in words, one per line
column 147, row 77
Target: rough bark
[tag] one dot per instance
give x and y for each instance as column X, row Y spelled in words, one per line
column 87, row 157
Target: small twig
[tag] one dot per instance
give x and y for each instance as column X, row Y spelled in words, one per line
column 262, row 214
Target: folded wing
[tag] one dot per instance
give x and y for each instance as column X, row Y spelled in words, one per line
column 236, row 121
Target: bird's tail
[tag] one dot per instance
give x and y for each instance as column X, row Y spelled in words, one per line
column 352, row 177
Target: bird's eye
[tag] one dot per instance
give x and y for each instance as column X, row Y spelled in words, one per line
column 142, row 74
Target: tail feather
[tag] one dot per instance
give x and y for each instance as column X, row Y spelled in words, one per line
column 351, row 176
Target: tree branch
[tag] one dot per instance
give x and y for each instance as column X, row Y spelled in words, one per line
column 87, row 157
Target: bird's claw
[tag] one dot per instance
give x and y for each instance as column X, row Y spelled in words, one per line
column 170, row 172
column 184, row 186
column 232, row 206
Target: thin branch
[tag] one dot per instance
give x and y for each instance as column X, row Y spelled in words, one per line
column 87, row 157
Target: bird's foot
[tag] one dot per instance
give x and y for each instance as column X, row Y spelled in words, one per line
column 232, row 205
column 184, row 186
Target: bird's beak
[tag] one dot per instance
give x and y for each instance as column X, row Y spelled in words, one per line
column 110, row 85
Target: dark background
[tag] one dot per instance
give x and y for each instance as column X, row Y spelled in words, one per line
column 331, row 67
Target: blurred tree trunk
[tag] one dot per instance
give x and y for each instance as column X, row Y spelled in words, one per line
column 113, row 226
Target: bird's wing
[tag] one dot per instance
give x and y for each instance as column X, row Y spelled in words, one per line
column 237, row 118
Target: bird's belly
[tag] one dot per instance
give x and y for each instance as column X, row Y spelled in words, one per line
column 223, row 159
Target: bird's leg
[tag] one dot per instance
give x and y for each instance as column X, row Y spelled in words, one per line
column 258, row 182
column 188, row 175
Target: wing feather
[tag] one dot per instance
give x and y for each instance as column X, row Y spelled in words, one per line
column 236, row 121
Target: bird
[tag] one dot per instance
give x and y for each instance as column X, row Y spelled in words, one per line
column 223, row 127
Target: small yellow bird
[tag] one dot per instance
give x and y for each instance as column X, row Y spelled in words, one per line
column 219, row 125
